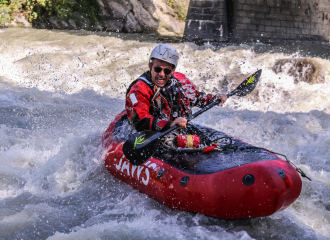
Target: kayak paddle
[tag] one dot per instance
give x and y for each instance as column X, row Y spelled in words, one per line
column 142, row 145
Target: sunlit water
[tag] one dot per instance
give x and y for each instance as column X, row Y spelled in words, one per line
column 60, row 90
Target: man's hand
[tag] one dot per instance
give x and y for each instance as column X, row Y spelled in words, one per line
column 180, row 121
column 223, row 97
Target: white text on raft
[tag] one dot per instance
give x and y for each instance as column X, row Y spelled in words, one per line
column 126, row 165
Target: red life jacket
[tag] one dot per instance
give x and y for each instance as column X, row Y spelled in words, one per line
column 152, row 108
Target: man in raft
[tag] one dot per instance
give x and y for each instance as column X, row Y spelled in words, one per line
column 161, row 97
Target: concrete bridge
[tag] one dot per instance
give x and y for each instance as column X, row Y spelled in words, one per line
column 264, row 20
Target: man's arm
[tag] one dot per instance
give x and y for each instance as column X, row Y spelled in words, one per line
column 138, row 109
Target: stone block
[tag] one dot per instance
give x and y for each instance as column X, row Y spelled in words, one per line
column 209, row 11
column 255, row 34
column 198, row 16
column 274, row 10
column 241, row 14
column 289, row 30
column 281, row 17
column 244, row 20
column 295, row 24
column 276, row 23
column 270, row 3
column 306, row 19
column 280, row 29
column 290, row 18
column 270, row 29
column 201, row 4
column 241, row 1
column 251, row 27
column 219, row 4
column 260, row 15
column 269, row 35
column 286, row 24
column 260, row 28
column 270, row 16
column 240, row 26
column 195, row 10
column 219, row 18
column 247, row 7
column 192, row 26
column 239, row 6
column 251, row 2
column 306, row 31
column 301, row 24
column 267, row 22
column 297, row 31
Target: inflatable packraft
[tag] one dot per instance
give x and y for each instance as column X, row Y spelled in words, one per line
column 234, row 180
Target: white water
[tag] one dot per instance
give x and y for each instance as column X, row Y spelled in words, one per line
column 60, row 90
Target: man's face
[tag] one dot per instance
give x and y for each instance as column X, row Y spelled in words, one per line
column 160, row 78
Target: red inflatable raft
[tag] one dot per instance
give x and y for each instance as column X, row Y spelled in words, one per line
column 245, row 182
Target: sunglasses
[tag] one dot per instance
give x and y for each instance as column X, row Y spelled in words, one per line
column 159, row 69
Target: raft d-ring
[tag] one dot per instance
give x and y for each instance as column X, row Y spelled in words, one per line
column 184, row 181
column 160, row 173
column 248, row 179
column 281, row 172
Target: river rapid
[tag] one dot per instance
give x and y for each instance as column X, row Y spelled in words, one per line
column 59, row 90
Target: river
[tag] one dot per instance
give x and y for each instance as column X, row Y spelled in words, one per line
column 59, row 90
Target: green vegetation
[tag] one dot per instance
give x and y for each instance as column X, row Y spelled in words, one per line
column 7, row 10
column 63, row 9
column 180, row 8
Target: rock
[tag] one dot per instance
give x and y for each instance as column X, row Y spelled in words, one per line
column 40, row 23
column 72, row 24
column 144, row 18
column 119, row 11
column 148, row 5
column 122, row 16
column 302, row 69
column 163, row 7
column 169, row 22
column 11, row 24
column 122, row 13
column 131, row 25
column 53, row 20
column 104, row 11
column 81, row 22
column 57, row 23
column 20, row 21
column 96, row 27
column 113, row 25
column 64, row 24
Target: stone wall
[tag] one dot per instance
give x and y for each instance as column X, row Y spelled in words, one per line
column 264, row 20
column 282, row 19
column 207, row 20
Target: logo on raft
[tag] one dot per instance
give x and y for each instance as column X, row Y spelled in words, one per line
column 139, row 140
column 140, row 173
column 251, row 79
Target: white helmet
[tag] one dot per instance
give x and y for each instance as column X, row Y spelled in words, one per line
column 165, row 53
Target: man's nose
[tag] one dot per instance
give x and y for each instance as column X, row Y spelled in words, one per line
column 162, row 73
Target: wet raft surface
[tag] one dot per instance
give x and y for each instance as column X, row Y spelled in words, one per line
column 233, row 152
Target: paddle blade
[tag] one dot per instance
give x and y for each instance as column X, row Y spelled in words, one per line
column 247, row 86
column 140, row 147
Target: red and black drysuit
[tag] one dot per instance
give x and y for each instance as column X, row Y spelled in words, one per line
column 154, row 108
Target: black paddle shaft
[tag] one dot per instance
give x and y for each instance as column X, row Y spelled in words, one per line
column 141, row 146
